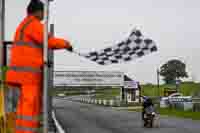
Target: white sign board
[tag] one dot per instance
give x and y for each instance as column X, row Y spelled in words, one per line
column 88, row 78
column 131, row 84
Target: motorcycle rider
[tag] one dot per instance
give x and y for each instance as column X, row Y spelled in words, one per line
column 147, row 102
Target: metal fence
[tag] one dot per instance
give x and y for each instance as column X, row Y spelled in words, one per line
column 192, row 105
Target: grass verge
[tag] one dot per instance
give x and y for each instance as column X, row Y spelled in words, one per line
column 175, row 113
column 107, row 93
column 186, row 88
column 180, row 114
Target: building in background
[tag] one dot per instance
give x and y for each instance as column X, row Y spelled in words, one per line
column 131, row 90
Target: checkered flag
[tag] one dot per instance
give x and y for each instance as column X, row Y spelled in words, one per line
column 133, row 47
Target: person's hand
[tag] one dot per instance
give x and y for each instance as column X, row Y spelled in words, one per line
column 70, row 49
column 68, row 46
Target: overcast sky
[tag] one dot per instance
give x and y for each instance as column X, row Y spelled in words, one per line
column 95, row 24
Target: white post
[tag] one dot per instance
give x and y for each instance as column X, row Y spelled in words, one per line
column 45, row 72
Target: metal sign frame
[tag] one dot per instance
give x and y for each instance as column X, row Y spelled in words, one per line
column 89, row 78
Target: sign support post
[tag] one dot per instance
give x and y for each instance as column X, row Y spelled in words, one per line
column 2, row 73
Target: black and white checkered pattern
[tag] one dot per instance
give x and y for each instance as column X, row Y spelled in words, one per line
column 135, row 46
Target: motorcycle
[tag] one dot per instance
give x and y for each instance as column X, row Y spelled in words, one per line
column 149, row 119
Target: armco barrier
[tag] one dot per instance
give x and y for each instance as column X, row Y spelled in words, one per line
column 95, row 101
column 111, row 102
column 103, row 102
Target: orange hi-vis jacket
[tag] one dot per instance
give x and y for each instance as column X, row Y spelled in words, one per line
column 27, row 51
column 25, row 69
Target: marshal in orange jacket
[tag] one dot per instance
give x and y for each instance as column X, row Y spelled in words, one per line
column 26, row 52
column 25, row 68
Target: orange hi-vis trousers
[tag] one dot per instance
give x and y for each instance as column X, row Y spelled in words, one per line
column 28, row 109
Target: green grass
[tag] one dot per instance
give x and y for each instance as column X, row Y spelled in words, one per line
column 66, row 93
column 186, row 88
column 180, row 114
column 175, row 113
column 135, row 110
column 107, row 93
column 189, row 88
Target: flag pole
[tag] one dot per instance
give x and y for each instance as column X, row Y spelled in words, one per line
column 45, row 72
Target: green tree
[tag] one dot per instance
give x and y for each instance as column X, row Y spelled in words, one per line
column 172, row 70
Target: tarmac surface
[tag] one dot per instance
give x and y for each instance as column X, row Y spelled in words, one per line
column 77, row 117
